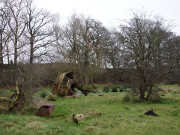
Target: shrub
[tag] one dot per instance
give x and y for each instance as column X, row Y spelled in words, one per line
column 133, row 96
column 106, row 89
column 123, row 89
column 114, row 89
column 95, row 87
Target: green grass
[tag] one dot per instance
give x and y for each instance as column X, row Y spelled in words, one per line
column 118, row 118
column 6, row 93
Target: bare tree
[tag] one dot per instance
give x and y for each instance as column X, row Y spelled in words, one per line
column 145, row 45
column 113, row 51
column 80, row 43
column 5, row 35
column 39, row 32
column 3, row 25
column 68, row 44
column 16, row 22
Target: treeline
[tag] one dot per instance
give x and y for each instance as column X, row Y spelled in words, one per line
column 144, row 44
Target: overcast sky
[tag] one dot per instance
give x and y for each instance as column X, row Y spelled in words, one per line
column 112, row 12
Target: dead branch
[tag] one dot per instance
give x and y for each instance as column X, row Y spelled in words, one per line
column 5, row 99
column 12, row 103
column 15, row 101
column 79, row 117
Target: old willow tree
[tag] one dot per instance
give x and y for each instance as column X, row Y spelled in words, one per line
column 145, row 42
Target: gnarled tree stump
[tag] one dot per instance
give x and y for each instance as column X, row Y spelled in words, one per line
column 65, row 85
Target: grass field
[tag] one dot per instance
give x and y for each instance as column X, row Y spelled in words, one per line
column 118, row 118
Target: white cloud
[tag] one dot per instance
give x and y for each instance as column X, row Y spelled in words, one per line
column 111, row 11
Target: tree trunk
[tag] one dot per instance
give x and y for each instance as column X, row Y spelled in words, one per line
column 80, row 74
column 31, row 50
column 1, row 55
column 1, row 49
column 142, row 91
column 91, row 78
column 1, row 59
column 149, row 92
column 142, row 95
column 8, row 56
column 15, row 52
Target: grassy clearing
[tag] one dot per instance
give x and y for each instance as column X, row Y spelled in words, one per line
column 117, row 117
column 7, row 92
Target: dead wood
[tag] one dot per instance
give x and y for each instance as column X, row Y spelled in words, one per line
column 79, row 117
column 12, row 103
column 5, row 99
column 65, row 85
column 16, row 100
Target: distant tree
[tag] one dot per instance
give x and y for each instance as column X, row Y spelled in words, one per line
column 39, row 31
column 80, row 43
column 113, row 51
column 145, row 44
column 15, row 14
column 5, row 35
column 3, row 24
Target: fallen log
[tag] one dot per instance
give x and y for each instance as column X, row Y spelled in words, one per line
column 4, row 108
column 5, row 99
column 79, row 117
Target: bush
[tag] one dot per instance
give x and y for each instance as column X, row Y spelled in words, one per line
column 95, row 87
column 133, row 96
column 114, row 89
column 123, row 89
column 106, row 89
